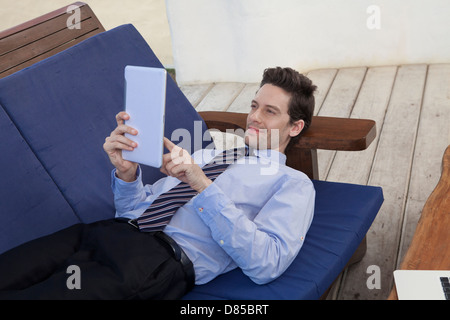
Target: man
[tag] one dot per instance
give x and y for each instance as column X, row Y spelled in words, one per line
column 244, row 219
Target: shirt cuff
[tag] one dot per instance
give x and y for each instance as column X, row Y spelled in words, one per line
column 209, row 205
column 124, row 188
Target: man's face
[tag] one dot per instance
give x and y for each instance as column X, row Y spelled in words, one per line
column 268, row 125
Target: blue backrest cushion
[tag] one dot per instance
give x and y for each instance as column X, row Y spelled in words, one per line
column 26, row 192
column 65, row 107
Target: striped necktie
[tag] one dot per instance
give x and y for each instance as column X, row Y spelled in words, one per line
column 158, row 215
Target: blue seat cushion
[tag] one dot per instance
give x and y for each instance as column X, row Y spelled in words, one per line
column 65, row 106
column 343, row 215
column 26, row 192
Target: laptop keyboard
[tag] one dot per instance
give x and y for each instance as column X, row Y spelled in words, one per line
column 446, row 287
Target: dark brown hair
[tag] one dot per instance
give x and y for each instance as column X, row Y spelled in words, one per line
column 301, row 104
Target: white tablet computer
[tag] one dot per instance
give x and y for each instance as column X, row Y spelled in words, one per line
column 145, row 101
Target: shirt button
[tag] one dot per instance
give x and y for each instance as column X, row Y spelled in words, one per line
column 200, row 209
column 302, row 238
column 221, row 242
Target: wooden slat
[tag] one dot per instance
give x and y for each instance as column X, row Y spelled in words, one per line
column 243, row 100
column 47, row 44
column 372, row 103
column 220, row 97
column 339, row 102
column 343, row 93
column 323, row 79
column 390, row 170
column 46, row 54
column 20, row 38
column 432, row 139
column 37, row 21
column 355, row 167
column 42, row 37
column 196, row 93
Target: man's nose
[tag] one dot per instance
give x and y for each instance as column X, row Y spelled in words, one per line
column 255, row 115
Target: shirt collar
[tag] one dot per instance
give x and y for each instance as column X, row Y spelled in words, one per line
column 272, row 155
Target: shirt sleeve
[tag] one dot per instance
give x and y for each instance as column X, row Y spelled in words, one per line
column 128, row 195
column 131, row 199
column 265, row 247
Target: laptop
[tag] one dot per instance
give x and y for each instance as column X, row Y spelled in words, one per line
column 145, row 102
column 422, row 284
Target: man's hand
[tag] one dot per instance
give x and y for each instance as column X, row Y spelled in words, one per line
column 116, row 142
column 179, row 164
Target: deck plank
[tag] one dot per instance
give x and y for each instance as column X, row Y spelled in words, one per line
column 323, row 79
column 220, row 97
column 339, row 102
column 372, row 103
column 432, row 140
column 243, row 100
column 196, row 93
column 390, row 170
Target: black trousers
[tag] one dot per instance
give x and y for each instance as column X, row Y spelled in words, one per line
column 110, row 260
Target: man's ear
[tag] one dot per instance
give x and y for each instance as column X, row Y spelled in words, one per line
column 296, row 128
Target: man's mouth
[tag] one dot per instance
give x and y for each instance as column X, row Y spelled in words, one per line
column 252, row 130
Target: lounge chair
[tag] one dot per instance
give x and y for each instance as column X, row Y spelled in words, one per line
column 57, row 108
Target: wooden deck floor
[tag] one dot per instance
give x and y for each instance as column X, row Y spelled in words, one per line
column 411, row 105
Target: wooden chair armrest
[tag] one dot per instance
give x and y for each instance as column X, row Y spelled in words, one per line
column 327, row 133
column 344, row 134
column 430, row 246
column 324, row 133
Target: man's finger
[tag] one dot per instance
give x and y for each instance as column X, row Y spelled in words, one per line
column 175, row 151
column 121, row 117
column 178, row 170
column 169, row 144
column 181, row 156
column 121, row 129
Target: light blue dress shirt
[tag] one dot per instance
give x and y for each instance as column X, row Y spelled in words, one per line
column 254, row 216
